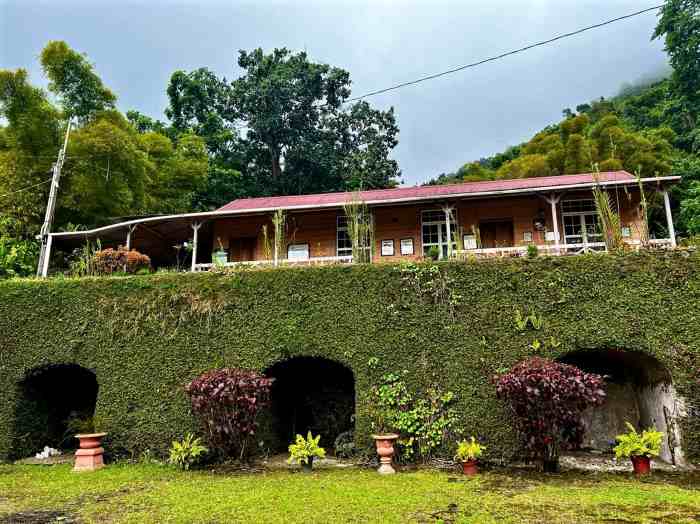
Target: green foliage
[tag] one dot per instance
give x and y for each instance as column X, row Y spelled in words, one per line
column 634, row 444
column 303, row 449
column 468, row 450
column 360, row 227
column 423, row 422
column 18, row 256
column 72, row 78
column 185, row 453
column 532, row 250
column 147, row 336
column 293, row 109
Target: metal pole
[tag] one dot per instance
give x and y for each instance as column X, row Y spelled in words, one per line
column 669, row 218
column 51, row 207
column 45, row 262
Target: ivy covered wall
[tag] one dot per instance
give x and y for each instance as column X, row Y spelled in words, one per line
column 145, row 337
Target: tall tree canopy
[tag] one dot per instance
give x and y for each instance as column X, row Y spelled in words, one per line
column 112, row 169
column 282, row 128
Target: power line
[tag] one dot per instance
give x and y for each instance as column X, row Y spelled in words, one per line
column 503, row 55
column 26, row 188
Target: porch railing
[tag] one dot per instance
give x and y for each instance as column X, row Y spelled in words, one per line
column 555, row 249
column 311, row 261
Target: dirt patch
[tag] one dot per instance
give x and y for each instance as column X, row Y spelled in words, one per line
column 447, row 516
column 39, row 517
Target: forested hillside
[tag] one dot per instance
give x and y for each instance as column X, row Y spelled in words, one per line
column 650, row 130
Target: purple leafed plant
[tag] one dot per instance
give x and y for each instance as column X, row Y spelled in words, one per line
column 227, row 402
column 547, row 400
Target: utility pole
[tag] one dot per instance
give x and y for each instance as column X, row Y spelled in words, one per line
column 45, row 254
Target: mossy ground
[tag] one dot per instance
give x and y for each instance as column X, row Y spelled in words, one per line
column 125, row 493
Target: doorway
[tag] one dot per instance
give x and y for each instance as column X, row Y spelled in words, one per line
column 496, row 233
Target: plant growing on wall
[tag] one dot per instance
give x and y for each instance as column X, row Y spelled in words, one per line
column 431, row 286
column 360, row 229
column 547, row 399
column 422, row 421
column 227, row 402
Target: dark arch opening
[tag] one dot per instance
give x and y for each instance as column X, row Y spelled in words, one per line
column 53, row 401
column 639, row 390
column 311, row 393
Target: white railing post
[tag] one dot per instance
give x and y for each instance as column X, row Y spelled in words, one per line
column 669, row 218
column 129, row 232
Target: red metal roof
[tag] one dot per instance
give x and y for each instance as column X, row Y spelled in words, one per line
column 423, row 192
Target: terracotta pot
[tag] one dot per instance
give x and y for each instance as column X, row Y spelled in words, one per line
column 308, row 465
column 469, row 467
column 641, row 465
column 88, row 457
column 385, row 450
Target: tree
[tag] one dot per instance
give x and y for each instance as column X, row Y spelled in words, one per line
column 679, row 25
column 298, row 137
column 72, row 78
column 282, row 97
column 547, row 400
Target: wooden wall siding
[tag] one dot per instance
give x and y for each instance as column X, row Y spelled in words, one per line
column 318, row 228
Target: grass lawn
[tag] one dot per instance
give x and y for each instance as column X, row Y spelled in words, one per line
column 151, row 493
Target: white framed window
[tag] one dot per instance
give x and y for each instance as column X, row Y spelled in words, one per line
column 343, row 244
column 580, row 221
column 434, row 231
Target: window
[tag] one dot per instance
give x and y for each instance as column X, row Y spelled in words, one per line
column 434, row 232
column 343, row 247
column 580, row 222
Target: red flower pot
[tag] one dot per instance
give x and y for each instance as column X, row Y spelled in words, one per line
column 469, row 467
column 641, row 465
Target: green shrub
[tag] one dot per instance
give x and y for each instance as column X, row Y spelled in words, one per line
column 634, row 444
column 185, row 453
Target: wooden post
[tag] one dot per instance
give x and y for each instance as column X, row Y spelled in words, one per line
column 553, row 200
column 669, row 218
column 448, row 227
column 128, row 236
column 195, row 235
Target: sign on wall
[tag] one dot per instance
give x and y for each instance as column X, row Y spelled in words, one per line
column 298, row 252
column 406, row 246
column 388, row 248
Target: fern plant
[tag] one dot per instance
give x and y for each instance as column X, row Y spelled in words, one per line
column 303, row 450
column 635, row 444
column 187, row 452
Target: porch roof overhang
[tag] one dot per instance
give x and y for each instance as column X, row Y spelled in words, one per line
column 172, row 227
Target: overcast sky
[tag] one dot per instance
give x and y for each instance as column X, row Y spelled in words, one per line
column 136, row 46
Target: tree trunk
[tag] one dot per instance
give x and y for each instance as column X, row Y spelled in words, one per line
column 276, row 170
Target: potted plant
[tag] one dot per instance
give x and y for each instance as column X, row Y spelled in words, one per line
column 303, row 451
column 220, row 256
column 468, row 451
column 639, row 447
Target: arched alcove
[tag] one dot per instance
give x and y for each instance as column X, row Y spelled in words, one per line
column 311, row 393
column 639, row 390
column 51, row 399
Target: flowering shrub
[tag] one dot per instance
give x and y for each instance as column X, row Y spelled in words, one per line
column 227, row 402
column 108, row 261
column 547, row 400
